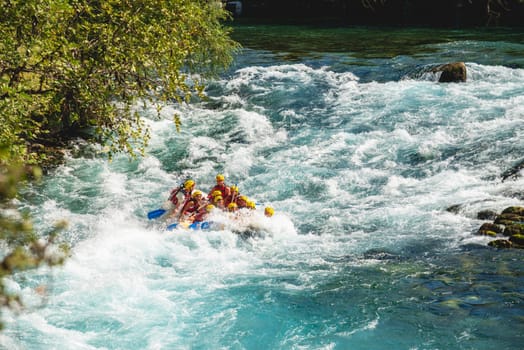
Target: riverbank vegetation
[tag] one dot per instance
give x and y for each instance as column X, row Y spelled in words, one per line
column 73, row 69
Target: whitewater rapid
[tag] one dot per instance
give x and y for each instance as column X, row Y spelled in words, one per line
column 360, row 173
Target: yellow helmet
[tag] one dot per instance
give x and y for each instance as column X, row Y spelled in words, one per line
column 210, row 207
column 220, row 177
column 232, row 205
column 251, row 205
column 234, row 189
column 216, row 193
column 269, row 211
column 217, row 198
column 188, row 184
column 196, row 193
column 244, row 198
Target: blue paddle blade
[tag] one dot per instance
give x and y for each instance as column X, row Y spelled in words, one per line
column 155, row 213
column 172, row 226
column 200, row 225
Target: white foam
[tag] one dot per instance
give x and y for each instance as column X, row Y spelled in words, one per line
column 494, row 74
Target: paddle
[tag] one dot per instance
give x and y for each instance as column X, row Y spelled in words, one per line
column 159, row 212
column 155, row 213
column 194, row 225
column 234, row 195
column 172, row 226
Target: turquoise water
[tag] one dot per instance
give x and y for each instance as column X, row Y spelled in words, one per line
column 359, row 151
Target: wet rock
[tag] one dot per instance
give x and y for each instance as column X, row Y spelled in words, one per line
column 455, row 209
column 489, row 229
column 508, row 218
column 500, row 243
column 509, row 223
column 487, row 215
column 473, row 210
column 517, row 240
column 516, row 210
column 380, row 254
column 469, row 247
column 514, row 172
column 514, row 229
column 452, row 72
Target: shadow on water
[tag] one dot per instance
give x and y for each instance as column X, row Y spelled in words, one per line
column 366, row 49
column 363, row 42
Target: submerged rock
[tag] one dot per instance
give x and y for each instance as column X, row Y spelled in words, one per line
column 514, row 172
column 380, row 254
column 500, row 243
column 487, row 215
column 455, row 209
column 469, row 210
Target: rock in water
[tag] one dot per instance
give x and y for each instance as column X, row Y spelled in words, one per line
column 452, row 72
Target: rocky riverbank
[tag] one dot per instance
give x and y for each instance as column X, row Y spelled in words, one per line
column 507, row 227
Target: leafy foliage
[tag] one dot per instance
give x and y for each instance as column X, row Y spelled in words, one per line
column 70, row 65
column 72, row 68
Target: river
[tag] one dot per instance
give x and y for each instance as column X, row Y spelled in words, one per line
column 361, row 153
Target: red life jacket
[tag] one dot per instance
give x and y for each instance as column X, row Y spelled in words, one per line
column 222, row 188
column 191, row 206
column 202, row 213
column 240, row 202
column 231, row 198
column 173, row 196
